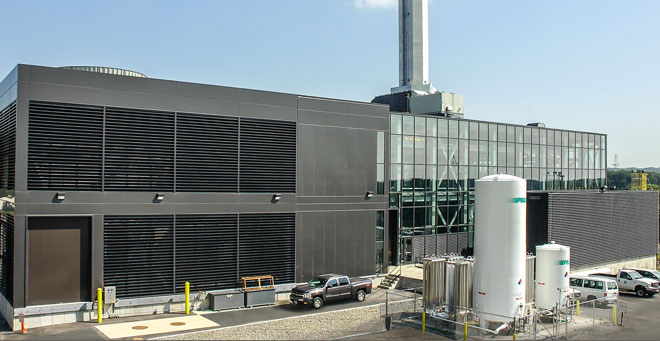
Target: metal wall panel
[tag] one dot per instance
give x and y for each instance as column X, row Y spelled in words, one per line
column 65, row 150
column 206, row 153
column 267, row 246
column 604, row 227
column 139, row 150
column 138, row 255
column 8, row 146
column 267, row 156
column 206, row 251
column 7, row 255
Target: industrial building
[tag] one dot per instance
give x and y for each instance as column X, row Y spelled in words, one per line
column 110, row 178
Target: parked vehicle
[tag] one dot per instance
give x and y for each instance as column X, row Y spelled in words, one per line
column 591, row 288
column 631, row 280
column 652, row 274
column 330, row 287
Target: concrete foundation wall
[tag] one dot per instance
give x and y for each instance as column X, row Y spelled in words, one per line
column 648, row 262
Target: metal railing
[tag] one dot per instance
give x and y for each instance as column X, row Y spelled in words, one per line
column 406, row 307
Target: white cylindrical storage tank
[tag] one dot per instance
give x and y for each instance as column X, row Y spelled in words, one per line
column 499, row 247
column 552, row 275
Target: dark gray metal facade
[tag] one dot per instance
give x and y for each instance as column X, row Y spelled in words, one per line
column 599, row 227
column 333, row 165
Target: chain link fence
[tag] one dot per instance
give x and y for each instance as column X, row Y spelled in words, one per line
column 406, row 308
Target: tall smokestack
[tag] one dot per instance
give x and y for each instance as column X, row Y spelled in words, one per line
column 414, row 46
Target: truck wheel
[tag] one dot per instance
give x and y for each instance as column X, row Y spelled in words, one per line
column 640, row 291
column 317, row 302
column 360, row 295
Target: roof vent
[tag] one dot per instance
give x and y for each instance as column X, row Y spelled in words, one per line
column 106, row 70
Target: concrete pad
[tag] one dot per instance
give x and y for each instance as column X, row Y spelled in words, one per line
column 157, row 326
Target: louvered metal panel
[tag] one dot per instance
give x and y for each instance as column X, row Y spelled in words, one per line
column 65, row 146
column 139, row 255
column 462, row 242
column 418, row 248
column 206, row 251
column 206, row 153
column 7, row 255
column 8, row 146
column 430, row 247
column 452, row 243
column 442, row 244
column 267, row 245
column 139, row 150
column 604, row 227
column 267, row 156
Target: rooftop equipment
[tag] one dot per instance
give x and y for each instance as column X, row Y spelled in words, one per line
column 552, row 275
column 499, row 248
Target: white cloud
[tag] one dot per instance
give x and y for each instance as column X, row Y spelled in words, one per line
column 375, row 3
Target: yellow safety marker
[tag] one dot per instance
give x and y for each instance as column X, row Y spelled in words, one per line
column 99, row 295
column 424, row 321
column 614, row 314
column 187, row 298
column 514, row 337
column 578, row 308
column 465, row 330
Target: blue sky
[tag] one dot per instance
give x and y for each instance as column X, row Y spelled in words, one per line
column 587, row 65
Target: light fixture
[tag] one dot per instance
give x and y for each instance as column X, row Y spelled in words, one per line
column 160, row 196
column 61, row 195
column 370, row 194
column 277, row 197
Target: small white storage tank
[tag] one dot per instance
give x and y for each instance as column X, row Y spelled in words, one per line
column 552, row 275
column 499, row 247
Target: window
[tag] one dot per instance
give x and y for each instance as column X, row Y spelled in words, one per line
column 408, row 125
column 611, row 285
column 576, row 282
column 332, row 283
column 343, row 281
column 395, row 124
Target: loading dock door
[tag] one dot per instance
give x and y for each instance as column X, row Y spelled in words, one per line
column 58, row 260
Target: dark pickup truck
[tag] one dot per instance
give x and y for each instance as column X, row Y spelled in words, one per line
column 330, row 287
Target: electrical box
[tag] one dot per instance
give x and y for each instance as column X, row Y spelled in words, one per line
column 109, row 294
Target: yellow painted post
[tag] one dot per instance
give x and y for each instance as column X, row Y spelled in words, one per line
column 614, row 314
column 187, row 298
column 514, row 337
column 465, row 331
column 578, row 308
column 99, row 295
column 424, row 321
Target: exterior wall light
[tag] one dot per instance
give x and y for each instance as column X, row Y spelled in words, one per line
column 61, row 195
column 160, row 196
column 370, row 194
column 277, row 197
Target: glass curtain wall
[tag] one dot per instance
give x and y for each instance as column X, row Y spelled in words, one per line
column 434, row 163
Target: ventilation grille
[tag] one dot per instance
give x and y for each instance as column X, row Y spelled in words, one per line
column 206, row 248
column 267, row 246
column 8, row 146
column 7, row 255
column 65, row 149
column 268, row 156
column 139, row 150
column 139, row 255
column 207, row 153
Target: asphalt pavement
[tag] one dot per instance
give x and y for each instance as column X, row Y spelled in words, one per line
column 640, row 322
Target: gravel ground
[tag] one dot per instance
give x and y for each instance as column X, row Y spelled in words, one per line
column 319, row 326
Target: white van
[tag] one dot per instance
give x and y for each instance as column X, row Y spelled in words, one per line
column 592, row 288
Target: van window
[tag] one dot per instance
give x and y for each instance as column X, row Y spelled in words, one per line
column 588, row 283
column 343, row 281
column 576, row 282
column 611, row 285
column 599, row 285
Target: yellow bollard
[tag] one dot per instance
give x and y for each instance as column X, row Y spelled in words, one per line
column 465, row 331
column 424, row 321
column 614, row 314
column 99, row 295
column 514, row 337
column 578, row 308
column 187, row 298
